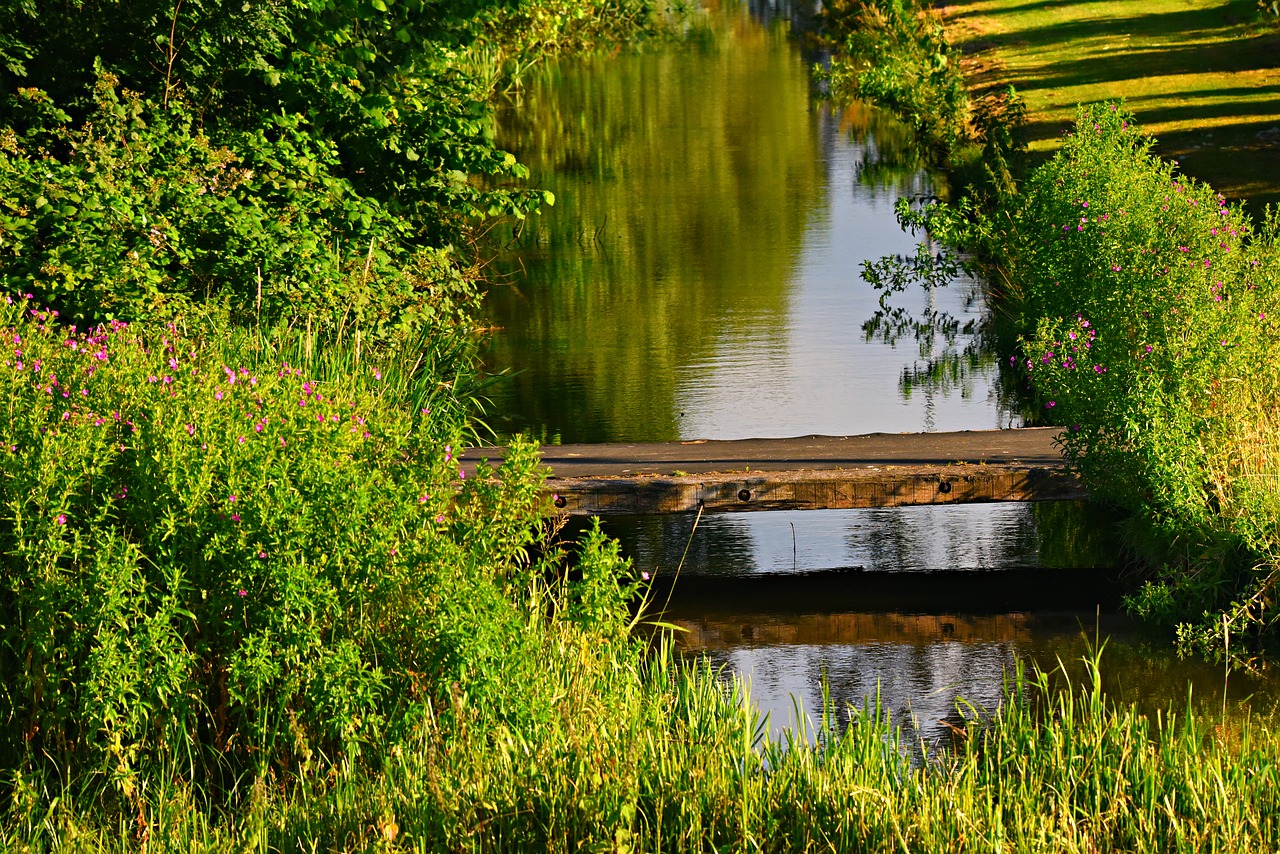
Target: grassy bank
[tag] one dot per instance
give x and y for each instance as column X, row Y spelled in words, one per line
column 634, row 755
column 1142, row 299
column 253, row 604
column 1202, row 77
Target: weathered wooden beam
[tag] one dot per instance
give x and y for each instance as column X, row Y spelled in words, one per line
column 803, row 473
column 820, row 489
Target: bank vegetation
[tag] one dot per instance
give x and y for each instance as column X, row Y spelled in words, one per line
column 1140, row 305
column 251, row 601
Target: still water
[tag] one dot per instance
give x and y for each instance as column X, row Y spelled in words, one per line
column 698, row 278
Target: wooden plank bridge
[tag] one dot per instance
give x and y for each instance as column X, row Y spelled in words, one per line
column 805, row 473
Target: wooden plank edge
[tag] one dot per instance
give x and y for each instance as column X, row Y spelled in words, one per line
column 819, row 489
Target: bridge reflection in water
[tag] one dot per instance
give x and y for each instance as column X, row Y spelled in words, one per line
column 919, row 641
column 923, row 607
column 919, row 665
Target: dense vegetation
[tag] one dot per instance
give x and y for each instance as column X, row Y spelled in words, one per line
column 1145, row 306
column 1151, row 307
column 251, row 601
column 237, row 548
column 213, row 555
column 288, row 159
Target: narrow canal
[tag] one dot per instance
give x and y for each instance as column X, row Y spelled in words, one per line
column 698, row 278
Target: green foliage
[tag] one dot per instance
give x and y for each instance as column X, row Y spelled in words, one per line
column 237, row 546
column 1000, row 122
column 894, row 54
column 146, row 216
column 1151, row 307
column 295, row 159
column 229, row 564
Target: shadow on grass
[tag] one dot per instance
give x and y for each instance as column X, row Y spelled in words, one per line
column 1156, row 63
column 1255, row 117
column 1232, row 13
column 1175, row 65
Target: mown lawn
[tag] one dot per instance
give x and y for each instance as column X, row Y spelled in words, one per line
column 1202, row 76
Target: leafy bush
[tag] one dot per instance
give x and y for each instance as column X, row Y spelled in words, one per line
column 1155, row 307
column 292, row 160
column 894, row 54
column 145, row 216
column 239, row 566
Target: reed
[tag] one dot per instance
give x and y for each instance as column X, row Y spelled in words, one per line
column 667, row 756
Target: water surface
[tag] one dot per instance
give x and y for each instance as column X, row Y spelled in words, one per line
column 698, row 278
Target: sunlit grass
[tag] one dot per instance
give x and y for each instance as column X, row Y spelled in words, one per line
column 675, row 760
column 1202, row 76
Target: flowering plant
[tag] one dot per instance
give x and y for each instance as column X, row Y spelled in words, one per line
column 1154, row 304
column 200, row 551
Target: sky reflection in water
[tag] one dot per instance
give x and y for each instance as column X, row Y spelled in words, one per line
column 698, row 278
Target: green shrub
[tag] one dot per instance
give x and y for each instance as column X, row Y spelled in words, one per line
column 289, row 160
column 137, row 214
column 231, row 565
column 1154, row 305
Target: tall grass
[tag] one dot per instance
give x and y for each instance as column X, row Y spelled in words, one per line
column 432, row 371
column 650, row 757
